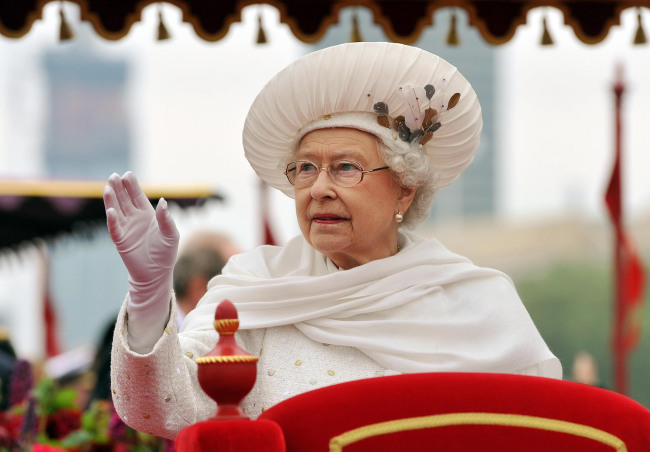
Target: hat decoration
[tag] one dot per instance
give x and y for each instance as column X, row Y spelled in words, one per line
column 418, row 127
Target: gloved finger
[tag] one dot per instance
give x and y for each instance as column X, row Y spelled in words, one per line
column 165, row 221
column 123, row 198
column 114, row 228
column 110, row 202
column 137, row 196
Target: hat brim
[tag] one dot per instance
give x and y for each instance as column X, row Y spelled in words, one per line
column 351, row 78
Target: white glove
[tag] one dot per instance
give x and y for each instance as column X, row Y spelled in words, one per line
column 147, row 241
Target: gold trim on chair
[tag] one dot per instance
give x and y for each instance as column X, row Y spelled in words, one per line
column 337, row 443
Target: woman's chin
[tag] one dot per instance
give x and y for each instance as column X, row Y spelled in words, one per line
column 329, row 244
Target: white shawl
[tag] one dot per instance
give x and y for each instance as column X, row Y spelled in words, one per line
column 424, row 309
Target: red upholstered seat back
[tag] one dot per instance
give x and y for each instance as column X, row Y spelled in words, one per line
column 460, row 412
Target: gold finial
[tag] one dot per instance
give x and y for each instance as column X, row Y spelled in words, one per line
column 452, row 35
column 261, row 34
column 547, row 40
column 163, row 34
column 355, row 34
column 65, row 31
column 639, row 36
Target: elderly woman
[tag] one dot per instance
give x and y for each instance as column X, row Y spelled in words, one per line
column 362, row 136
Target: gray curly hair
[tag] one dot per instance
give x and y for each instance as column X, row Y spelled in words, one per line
column 412, row 168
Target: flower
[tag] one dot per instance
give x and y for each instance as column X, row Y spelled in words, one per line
column 9, row 428
column 61, row 423
column 45, row 418
column 46, row 448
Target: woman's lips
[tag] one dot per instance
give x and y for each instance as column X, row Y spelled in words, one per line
column 324, row 218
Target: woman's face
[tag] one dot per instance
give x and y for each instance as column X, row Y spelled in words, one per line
column 350, row 225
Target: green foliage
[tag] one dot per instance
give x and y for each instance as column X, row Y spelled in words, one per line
column 52, row 399
column 571, row 304
column 95, row 427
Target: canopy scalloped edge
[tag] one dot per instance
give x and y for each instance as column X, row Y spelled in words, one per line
column 402, row 20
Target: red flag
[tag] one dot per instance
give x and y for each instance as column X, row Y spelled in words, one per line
column 49, row 316
column 51, row 338
column 266, row 224
column 629, row 274
column 633, row 287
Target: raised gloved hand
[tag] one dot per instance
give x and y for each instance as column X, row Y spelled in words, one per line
column 147, row 241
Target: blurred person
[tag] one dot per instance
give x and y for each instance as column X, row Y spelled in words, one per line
column 209, row 238
column 585, row 369
column 202, row 258
column 101, row 365
column 362, row 136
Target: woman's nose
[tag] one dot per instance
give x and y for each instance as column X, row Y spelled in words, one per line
column 323, row 186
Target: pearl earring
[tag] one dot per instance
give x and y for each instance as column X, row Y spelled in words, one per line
column 399, row 217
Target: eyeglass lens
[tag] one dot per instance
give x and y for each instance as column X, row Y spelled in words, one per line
column 343, row 172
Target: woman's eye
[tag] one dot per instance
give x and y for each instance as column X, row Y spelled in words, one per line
column 307, row 167
column 346, row 166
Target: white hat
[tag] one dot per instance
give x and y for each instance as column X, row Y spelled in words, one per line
column 378, row 87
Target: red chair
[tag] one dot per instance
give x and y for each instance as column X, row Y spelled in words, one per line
column 461, row 412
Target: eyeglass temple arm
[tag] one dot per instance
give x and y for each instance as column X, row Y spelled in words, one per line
column 376, row 169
